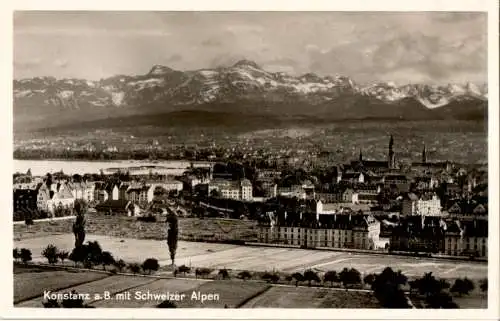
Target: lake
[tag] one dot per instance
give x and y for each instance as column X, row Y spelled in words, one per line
column 42, row 167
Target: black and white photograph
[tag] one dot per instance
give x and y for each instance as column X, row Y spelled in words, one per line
column 251, row 159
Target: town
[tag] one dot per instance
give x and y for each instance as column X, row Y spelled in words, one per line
column 385, row 206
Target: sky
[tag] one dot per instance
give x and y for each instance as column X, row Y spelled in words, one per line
column 404, row 47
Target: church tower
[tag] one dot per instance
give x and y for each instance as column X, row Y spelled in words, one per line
column 360, row 156
column 424, row 156
column 390, row 157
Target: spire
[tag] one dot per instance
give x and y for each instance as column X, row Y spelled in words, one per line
column 390, row 157
column 391, row 142
column 360, row 155
column 424, row 156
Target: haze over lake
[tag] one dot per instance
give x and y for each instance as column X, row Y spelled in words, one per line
column 42, row 167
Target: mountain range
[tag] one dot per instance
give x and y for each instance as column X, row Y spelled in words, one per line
column 243, row 88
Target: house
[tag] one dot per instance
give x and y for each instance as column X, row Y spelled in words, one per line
column 117, row 207
column 43, row 197
column 62, row 197
column 352, row 178
column 466, row 238
column 425, row 205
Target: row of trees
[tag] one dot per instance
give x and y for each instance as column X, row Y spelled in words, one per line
column 91, row 254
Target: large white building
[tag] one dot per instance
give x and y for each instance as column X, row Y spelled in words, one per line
column 239, row 190
column 344, row 231
column 426, row 205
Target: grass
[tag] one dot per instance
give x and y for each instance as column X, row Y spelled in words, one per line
column 33, row 283
column 123, row 226
column 232, row 294
column 304, row 297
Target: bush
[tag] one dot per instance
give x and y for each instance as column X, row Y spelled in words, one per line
column 147, row 219
column 298, row 277
column 202, row 272
column 62, row 255
column 167, row 304
column 311, row 276
column 79, row 254
column 106, row 259
column 331, row 276
column 484, row 285
column 134, row 268
column 16, row 254
column 244, row 275
column 120, row 265
column 25, row 256
column 223, row 273
column 184, row 269
column 270, row 277
column 51, row 254
column 150, row 265
column 462, row 286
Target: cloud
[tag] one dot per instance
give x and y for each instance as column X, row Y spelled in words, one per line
column 61, row 63
column 91, row 32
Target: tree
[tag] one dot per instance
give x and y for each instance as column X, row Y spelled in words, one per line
column 350, row 277
column 484, row 285
column 94, row 254
column 244, row 275
column 433, row 290
column 134, row 268
column 202, row 272
column 150, row 265
column 107, row 259
column 298, row 277
column 120, row 264
column 270, row 277
column 167, row 304
column 51, row 254
column 184, row 269
column 369, row 279
column 16, row 254
column 387, row 288
column 25, row 256
column 462, row 286
column 223, row 273
column 79, row 254
column 311, row 276
column 172, row 235
column 62, row 255
column 79, row 225
column 331, row 276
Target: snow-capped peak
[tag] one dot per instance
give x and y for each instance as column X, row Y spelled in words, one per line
column 159, row 70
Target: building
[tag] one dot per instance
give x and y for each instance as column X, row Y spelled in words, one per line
column 466, row 238
column 239, row 190
column 418, row 234
column 62, row 197
column 425, row 205
column 333, row 231
column 25, row 200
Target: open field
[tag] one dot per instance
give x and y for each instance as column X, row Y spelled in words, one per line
column 31, row 282
column 123, row 226
column 232, row 294
column 303, row 297
column 227, row 293
column 254, row 258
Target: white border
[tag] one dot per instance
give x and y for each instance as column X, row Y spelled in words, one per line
column 7, row 311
